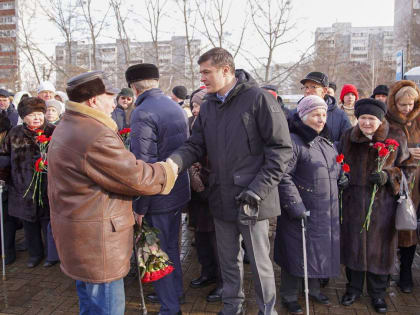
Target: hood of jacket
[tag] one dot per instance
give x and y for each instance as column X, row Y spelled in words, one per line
column 393, row 113
column 331, row 102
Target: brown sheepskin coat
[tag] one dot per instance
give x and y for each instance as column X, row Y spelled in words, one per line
column 373, row 250
column 411, row 127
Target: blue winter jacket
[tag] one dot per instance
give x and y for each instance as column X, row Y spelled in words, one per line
column 158, row 127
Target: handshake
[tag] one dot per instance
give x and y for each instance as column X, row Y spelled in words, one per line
column 171, row 171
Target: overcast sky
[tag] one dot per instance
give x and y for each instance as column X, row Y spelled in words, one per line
column 308, row 14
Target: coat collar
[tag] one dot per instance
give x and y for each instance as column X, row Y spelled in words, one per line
column 379, row 136
column 92, row 113
column 145, row 94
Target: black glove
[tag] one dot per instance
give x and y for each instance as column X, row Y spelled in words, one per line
column 378, row 178
column 248, row 197
column 343, row 182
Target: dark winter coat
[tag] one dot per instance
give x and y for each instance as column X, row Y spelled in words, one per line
column 309, row 185
column 411, row 127
column 21, row 149
column 120, row 117
column 373, row 250
column 247, row 141
column 337, row 120
column 158, row 127
column 12, row 114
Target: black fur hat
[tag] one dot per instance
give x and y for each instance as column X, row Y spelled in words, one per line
column 370, row 106
column 141, row 71
column 30, row 105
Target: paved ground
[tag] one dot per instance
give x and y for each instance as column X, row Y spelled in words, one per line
column 48, row 291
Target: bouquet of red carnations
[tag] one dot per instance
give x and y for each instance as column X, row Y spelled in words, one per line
column 40, row 167
column 153, row 262
column 125, row 135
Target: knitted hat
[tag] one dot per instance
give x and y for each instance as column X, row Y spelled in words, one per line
column 62, row 95
column 141, row 71
column 56, row 104
column 87, row 85
column 127, row 92
column 45, row 86
column 380, row 89
column 31, row 104
column 317, row 77
column 180, row 92
column 199, row 97
column 310, row 103
column 348, row 88
column 370, row 106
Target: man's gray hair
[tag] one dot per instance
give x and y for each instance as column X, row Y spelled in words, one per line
column 144, row 85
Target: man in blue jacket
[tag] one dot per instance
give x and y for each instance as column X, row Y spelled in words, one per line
column 8, row 107
column 158, row 127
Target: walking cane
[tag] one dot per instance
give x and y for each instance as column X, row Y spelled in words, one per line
column 3, row 254
column 305, row 264
column 143, row 309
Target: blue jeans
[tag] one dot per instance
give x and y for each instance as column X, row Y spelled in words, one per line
column 101, row 298
column 169, row 288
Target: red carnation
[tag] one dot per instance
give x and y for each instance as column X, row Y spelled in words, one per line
column 340, row 158
column 39, row 131
column 383, row 152
column 39, row 165
column 346, row 168
column 379, row 145
column 392, row 142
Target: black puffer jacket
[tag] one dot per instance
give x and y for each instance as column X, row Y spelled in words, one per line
column 247, row 141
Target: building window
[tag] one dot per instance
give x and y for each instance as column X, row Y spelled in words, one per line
column 7, row 19
column 359, row 48
column 7, row 33
column 7, row 5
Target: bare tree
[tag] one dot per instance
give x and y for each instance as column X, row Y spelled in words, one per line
column 273, row 24
column 95, row 22
column 214, row 15
column 121, row 29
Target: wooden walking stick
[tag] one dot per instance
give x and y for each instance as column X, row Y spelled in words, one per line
column 305, row 265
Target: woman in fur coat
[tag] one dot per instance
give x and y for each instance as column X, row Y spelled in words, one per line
column 20, row 151
column 371, row 252
column 404, row 113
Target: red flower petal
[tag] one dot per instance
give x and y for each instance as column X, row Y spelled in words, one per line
column 379, row 145
column 340, row 158
column 346, row 168
column 383, row 152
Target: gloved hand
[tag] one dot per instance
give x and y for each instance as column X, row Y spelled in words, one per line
column 248, row 197
column 343, row 182
column 378, row 178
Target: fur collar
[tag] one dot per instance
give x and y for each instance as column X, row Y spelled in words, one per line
column 379, row 136
column 93, row 113
column 393, row 114
column 305, row 132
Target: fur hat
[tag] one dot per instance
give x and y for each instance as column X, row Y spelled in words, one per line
column 56, row 104
column 380, row 89
column 370, row 106
column 87, row 85
column 141, row 71
column 348, row 88
column 31, row 104
column 45, row 86
column 180, row 91
column 310, row 103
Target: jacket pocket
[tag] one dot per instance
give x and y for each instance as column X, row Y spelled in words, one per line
column 254, row 141
column 243, row 180
column 122, row 222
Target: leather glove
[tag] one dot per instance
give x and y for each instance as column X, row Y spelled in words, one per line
column 378, row 178
column 343, row 182
column 248, row 197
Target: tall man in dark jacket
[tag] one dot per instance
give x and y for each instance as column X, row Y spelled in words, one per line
column 245, row 135
column 158, row 127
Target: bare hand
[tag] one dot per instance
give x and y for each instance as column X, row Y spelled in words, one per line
column 138, row 218
column 415, row 152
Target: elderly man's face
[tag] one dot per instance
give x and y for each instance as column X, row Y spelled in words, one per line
column 314, row 88
column 46, row 95
column 4, row 102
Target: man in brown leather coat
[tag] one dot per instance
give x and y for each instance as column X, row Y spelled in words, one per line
column 91, row 181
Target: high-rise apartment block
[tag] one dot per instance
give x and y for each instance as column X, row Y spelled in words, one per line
column 9, row 74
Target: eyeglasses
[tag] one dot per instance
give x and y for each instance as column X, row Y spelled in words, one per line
column 312, row 87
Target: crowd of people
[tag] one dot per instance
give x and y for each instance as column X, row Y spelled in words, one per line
column 231, row 155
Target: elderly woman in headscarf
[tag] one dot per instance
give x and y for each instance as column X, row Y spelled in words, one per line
column 309, row 192
column 369, row 251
